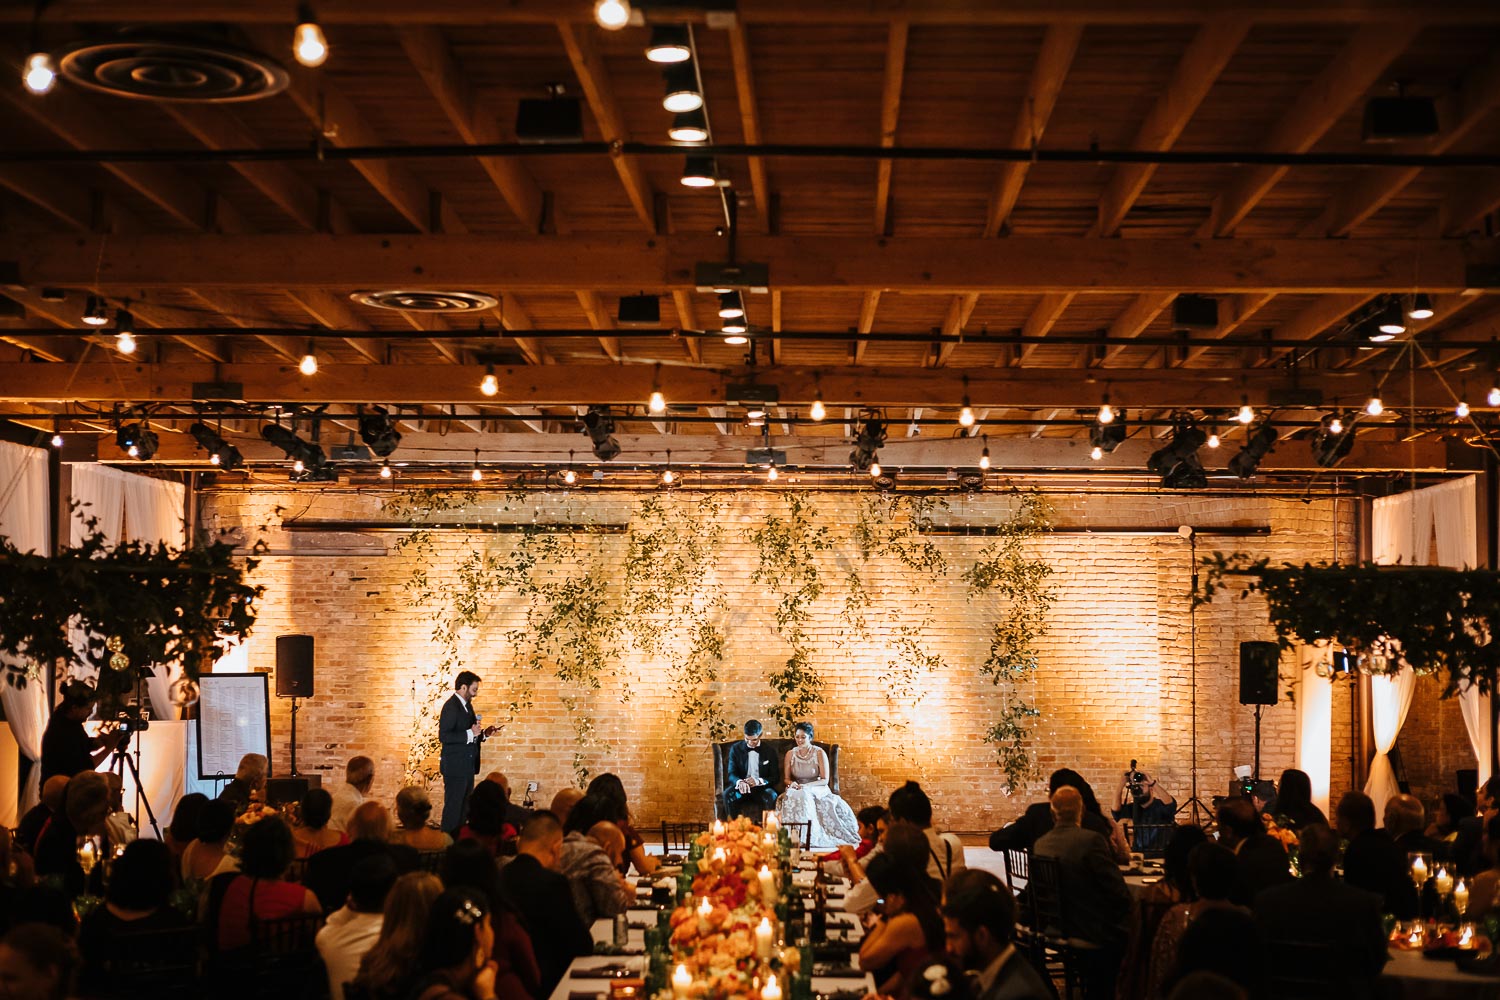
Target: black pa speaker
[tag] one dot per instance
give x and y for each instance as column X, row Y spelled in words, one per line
column 294, row 666
column 1258, row 663
column 280, row 791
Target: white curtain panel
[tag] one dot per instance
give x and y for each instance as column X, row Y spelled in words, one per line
column 1390, row 699
column 25, row 518
column 103, row 491
column 1315, row 725
column 154, row 511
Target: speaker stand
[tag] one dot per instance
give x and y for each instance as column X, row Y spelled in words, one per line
column 296, row 773
column 1257, row 742
column 1198, row 811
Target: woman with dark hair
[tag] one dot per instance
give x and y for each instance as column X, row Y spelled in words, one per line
column 1294, row 804
column 184, row 826
column 809, row 799
column 206, row 855
column 413, row 810
column 387, row 970
column 612, row 788
column 135, row 900
column 908, row 933
column 456, row 959
column 1450, row 810
column 1212, row 871
column 261, row 891
column 467, row 865
column 1037, row 819
column 314, row 835
column 1149, row 906
column 486, row 820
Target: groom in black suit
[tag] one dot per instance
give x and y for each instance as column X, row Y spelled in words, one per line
column 753, row 771
column 461, row 734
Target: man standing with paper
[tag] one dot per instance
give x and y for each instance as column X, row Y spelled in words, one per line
column 460, row 732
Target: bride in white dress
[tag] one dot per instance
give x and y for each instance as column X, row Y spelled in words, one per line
column 808, row 797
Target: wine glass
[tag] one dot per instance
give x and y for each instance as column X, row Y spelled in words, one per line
column 88, row 854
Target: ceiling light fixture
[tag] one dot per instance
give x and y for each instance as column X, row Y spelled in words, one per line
column 1096, row 453
column 137, row 440
column 1213, row 435
column 304, row 454
column 1421, row 306
column 735, row 339
column 569, row 476
column 731, row 305
column 612, row 15
column 309, row 363
column 1335, row 423
column 1461, row 410
column 700, row 172
column 874, row 470
column 95, row 312
column 688, row 126
column 1331, row 443
column 682, row 88
column 378, row 431
column 1493, row 396
column 868, row 441
column 220, row 452
column 1105, row 438
column 599, row 425
column 984, row 455
column 817, row 411
column 668, row 477
column 669, row 44
column 966, row 414
column 490, row 384
column 734, row 326
column 39, row 75
column 1257, row 443
column 308, row 43
column 657, row 404
column 1106, row 412
column 1391, row 320
column 385, row 470
column 57, row 438
column 124, row 332
column 1374, row 406
column 771, row 473
column 1246, row 414
column 1177, row 462
column 476, row 474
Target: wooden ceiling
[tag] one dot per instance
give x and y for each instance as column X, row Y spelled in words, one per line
column 1034, row 286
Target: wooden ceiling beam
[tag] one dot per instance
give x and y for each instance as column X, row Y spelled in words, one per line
column 1234, row 312
column 86, row 211
column 920, row 265
column 1133, row 322
column 588, row 66
column 1467, row 203
column 866, row 323
column 1347, row 78
column 1354, row 203
column 890, row 115
column 744, row 89
column 683, row 303
column 433, row 58
column 1313, row 320
column 627, row 385
column 1205, row 58
column 600, row 319
column 775, row 325
column 515, row 319
column 960, row 308
column 335, row 313
column 1039, row 322
column 242, row 313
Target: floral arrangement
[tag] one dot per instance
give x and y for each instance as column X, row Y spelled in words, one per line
column 1288, row 838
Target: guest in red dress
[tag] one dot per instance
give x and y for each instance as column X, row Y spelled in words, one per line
column 260, row 892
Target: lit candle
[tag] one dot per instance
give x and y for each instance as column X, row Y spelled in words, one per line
column 682, row 981
column 772, row 989
column 1419, row 870
column 1466, row 936
column 718, row 828
column 705, row 908
column 719, row 854
column 1461, row 896
column 1416, row 935
column 773, row 822
column 767, row 885
column 764, row 938
column 1443, row 882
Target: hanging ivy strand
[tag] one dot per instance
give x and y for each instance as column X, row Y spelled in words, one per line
column 789, row 547
column 1432, row 619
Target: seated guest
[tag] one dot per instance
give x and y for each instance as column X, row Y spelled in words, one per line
column 413, row 810
column 1484, row 891
column 183, row 829
column 467, row 865
column 1149, row 904
column 564, row 801
column 206, row 854
column 909, row 804
column 545, row 900
column 135, row 900
column 1037, row 819
column 515, row 814
column 1212, row 871
column 1372, row 861
column 330, row 872
column 359, row 776
column 388, row 969
column 1153, row 807
column 486, row 820
column 979, row 925
column 1294, row 807
column 37, row 962
column 1467, row 847
column 315, row 834
column 353, row 929
column 260, row 892
column 1097, row 900
column 1216, row 945
column 902, row 843
column 456, row 961
column 908, row 934
column 751, row 775
column 1405, row 819
column 871, row 820
column 85, row 814
column 592, row 848
column 1260, row 860
column 54, row 793
column 249, row 784
column 1447, row 816
column 610, row 786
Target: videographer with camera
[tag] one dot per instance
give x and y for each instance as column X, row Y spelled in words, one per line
column 67, row 749
column 1149, row 807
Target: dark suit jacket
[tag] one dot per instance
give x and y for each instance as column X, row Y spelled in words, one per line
column 739, row 765
column 558, row 933
column 1374, row 862
column 458, row 757
column 1017, row 980
column 1260, row 863
column 330, row 872
column 1323, row 911
column 1095, row 899
column 1037, row 820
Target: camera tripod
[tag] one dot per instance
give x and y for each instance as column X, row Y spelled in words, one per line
column 119, row 762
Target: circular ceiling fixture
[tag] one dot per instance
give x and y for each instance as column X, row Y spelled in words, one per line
column 172, row 68
column 426, row 300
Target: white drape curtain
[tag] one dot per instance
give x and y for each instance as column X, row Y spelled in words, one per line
column 25, row 518
column 138, row 508
column 1390, row 700
column 1407, row 527
column 1315, row 725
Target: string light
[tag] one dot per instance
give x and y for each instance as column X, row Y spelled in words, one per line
column 308, row 43
column 984, row 456
column 39, row 75
column 490, row 384
column 385, row 470
column 476, row 474
column 1336, row 425
column 1374, row 407
column 570, row 477
column 1097, row 453
column 1462, row 409
column 966, row 414
column 818, row 410
column 771, row 473
column 612, row 15
column 874, row 470
column 309, row 363
column 1106, row 412
column 1247, row 412
column 57, row 439
column 1493, row 397
column 1213, row 436
column 125, row 332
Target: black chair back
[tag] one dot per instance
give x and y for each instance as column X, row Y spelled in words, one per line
column 1047, row 896
column 430, row 861
column 800, row 833
column 1017, row 869
column 678, row 837
column 1299, row 970
column 158, row 963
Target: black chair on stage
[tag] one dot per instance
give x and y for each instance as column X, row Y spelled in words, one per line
column 782, row 746
column 677, row 838
column 800, row 834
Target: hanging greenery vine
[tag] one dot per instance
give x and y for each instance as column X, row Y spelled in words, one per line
column 1007, row 568
column 789, row 547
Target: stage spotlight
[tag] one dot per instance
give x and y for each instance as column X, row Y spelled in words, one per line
column 305, row 453
column 1332, row 441
column 1248, row 460
column 867, row 444
column 1421, row 306
column 137, row 441
column 669, row 44
column 1105, row 438
column 1177, row 461
column 599, row 424
column 220, row 452
column 378, row 431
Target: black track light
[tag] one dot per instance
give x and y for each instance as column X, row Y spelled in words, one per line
column 220, row 452
column 137, row 441
column 700, row 172
column 1421, row 306
column 95, row 312
column 669, row 44
column 1258, row 442
column 688, row 126
column 867, row 444
column 1332, row 440
column 682, row 88
column 599, row 424
column 1177, row 462
column 1107, row 437
column 378, row 431
column 303, row 453
column 1390, row 318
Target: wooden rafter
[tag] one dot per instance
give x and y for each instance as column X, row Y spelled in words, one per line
column 744, row 88
column 1043, row 316
column 1315, row 318
column 867, row 308
column 775, row 325
column 242, row 313
column 335, row 313
column 1468, row 202
column 600, row 319
column 683, row 303
column 1234, row 312
column 960, row 308
column 890, row 115
column 1133, row 321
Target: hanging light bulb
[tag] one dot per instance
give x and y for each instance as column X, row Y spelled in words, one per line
column 39, row 75
column 1213, row 437
column 57, row 439
column 658, row 402
column 1462, row 409
column 668, row 477
column 818, row 410
column 1374, row 407
column 298, row 466
column 1106, row 412
column 95, row 313
column 476, row 474
column 984, row 456
column 966, row 415
column 1246, row 415
column 125, row 332
column 772, row 474
column 309, row 363
column 308, row 43
column 570, row 477
column 1493, row 396
column 490, row 384
column 874, row 470
column 385, row 470
column 214, row 459
column 1336, row 425
column 1097, row 453
column 1421, row 306
column 612, row 15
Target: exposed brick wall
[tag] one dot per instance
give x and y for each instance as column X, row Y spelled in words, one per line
column 1433, row 743
column 1113, row 684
